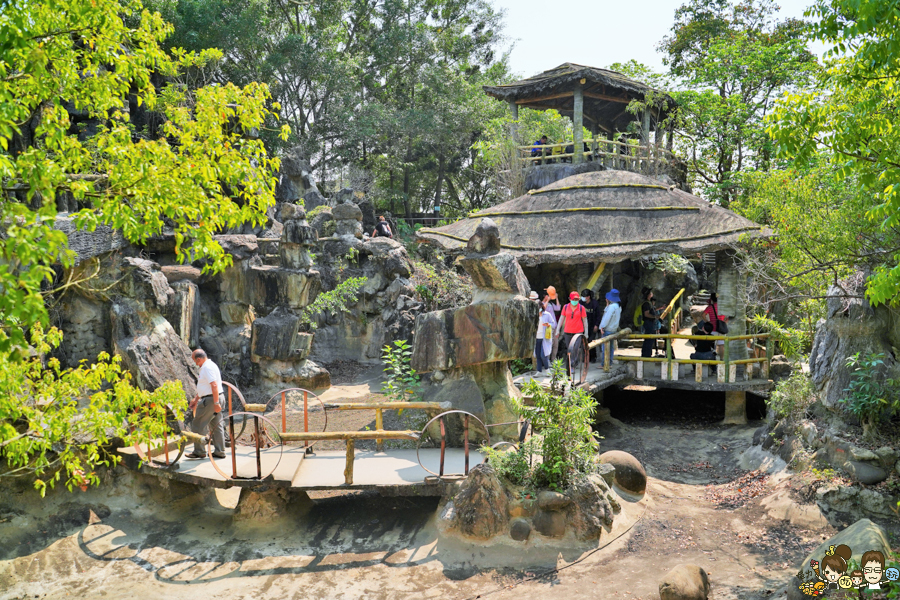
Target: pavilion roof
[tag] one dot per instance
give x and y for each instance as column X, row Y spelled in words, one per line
column 606, row 94
column 602, row 216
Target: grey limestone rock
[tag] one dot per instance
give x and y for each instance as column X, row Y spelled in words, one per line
column 486, row 239
column 519, row 529
column 685, row 582
column 630, row 475
column 482, row 509
column 498, row 272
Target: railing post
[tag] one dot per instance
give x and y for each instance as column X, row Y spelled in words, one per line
column 284, row 413
column 305, row 417
column 607, row 349
column 379, row 425
column 443, row 445
column 698, row 373
column 725, row 357
column 231, row 437
column 348, row 468
column 668, row 358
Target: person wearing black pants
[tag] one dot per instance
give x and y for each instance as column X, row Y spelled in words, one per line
column 651, row 322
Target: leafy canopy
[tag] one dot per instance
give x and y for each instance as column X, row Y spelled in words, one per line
column 193, row 168
column 852, row 115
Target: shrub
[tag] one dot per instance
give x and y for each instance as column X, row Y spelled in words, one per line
column 871, row 395
column 792, row 397
column 332, row 301
column 514, row 464
column 402, row 382
column 563, row 415
column 441, row 289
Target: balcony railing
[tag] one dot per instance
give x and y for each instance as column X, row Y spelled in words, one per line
column 624, row 156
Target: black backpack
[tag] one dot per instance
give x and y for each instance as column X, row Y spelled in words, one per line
column 383, row 229
column 720, row 325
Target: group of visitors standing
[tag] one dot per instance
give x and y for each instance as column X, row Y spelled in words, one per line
column 581, row 315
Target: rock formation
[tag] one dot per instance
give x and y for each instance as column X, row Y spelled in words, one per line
column 467, row 349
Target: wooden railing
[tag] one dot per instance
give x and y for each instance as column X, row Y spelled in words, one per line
column 726, row 374
column 615, row 154
column 606, row 342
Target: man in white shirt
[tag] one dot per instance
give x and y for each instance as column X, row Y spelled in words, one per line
column 207, row 406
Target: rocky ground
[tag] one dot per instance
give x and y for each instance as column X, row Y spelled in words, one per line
column 135, row 536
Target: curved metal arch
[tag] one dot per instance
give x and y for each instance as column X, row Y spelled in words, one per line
column 444, row 440
column 306, row 394
column 259, row 475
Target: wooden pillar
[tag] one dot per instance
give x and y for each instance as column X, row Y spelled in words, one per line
column 611, row 161
column 645, row 128
column 514, row 125
column 669, row 134
column 578, row 126
column 594, row 134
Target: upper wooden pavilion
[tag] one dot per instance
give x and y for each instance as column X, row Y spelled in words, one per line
column 598, row 96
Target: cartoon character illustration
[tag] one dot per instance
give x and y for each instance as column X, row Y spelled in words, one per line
column 857, row 577
column 873, row 566
column 834, row 565
column 811, row 588
column 892, row 574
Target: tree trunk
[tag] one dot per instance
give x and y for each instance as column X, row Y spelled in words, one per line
column 440, row 183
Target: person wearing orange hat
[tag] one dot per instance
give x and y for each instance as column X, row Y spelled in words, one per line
column 573, row 320
column 552, row 301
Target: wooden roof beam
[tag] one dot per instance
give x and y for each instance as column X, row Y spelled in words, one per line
column 542, row 98
column 596, row 96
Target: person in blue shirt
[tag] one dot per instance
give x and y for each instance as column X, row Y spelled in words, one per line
column 536, row 149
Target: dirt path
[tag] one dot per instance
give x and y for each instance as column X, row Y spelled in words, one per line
column 132, row 537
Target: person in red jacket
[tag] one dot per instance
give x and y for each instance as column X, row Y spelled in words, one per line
column 572, row 320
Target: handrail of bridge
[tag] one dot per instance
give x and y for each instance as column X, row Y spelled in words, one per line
column 380, row 407
column 725, row 375
column 606, row 341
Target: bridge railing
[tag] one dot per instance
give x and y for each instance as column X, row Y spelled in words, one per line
column 728, row 371
column 607, row 342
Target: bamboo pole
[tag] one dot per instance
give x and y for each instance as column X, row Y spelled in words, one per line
column 385, row 405
column 379, row 425
column 349, row 435
column 260, row 408
column 348, row 469
column 725, row 354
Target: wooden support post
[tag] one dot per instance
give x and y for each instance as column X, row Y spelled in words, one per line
column 379, row 419
column 720, row 373
column 669, row 141
column 732, row 373
column 348, row 469
column 748, row 371
column 578, row 126
column 514, row 124
column 674, row 371
column 645, row 128
column 698, row 374
column 607, row 350
column 594, row 133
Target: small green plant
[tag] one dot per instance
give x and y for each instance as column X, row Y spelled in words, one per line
column 871, row 396
column 444, row 288
column 512, row 464
column 332, row 302
column 792, row 397
column 563, row 415
column 519, row 366
column 317, row 211
column 402, row 381
column 668, row 263
column 791, row 341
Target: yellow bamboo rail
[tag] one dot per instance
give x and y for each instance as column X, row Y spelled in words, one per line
column 256, row 408
column 602, row 186
column 599, row 245
column 314, row 436
column 388, row 405
column 687, row 336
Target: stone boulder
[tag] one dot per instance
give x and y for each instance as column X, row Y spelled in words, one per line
column 862, row 536
column 475, row 334
column 589, row 511
column 486, row 239
column 369, row 219
column 276, row 375
column 277, row 336
column 481, row 506
column 685, row 582
column 348, row 220
column 297, row 180
column 550, row 524
column 88, row 244
column 519, row 529
column 297, row 239
column 143, row 280
column 240, row 247
column 866, row 473
column 85, row 324
column 630, row 475
column 323, row 222
column 150, row 348
column 499, row 272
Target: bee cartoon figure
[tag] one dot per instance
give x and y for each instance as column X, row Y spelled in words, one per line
column 834, row 565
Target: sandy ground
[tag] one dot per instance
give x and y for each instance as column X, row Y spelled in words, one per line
column 134, row 537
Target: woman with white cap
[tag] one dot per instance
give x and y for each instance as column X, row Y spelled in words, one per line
column 610, row 322
column 554, row 305
column 544, row 338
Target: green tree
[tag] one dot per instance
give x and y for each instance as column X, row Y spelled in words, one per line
column 852, row 115
column 732, row 62
column 198, row 172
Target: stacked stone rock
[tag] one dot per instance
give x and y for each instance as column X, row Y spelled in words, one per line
column 467, row 349
column 484, row 507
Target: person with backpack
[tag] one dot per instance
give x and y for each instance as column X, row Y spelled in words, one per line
column 573, row 320
column 552, row 301
column 592, row 307
column 719, row 322
column 382, row 229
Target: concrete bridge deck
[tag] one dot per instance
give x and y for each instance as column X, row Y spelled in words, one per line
column 391, row 472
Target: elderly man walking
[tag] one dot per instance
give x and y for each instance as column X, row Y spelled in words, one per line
column 207, row 406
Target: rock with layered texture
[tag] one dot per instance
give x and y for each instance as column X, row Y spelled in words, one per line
column 482, row 509
column 277, row 336
column 589, row 510
column 143, row 280
column 685, row 582
column 497, row 273
column 183, row 312
column 276, row 375
column 150, row 347
column 474, row 335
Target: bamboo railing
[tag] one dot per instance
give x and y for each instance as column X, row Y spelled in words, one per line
column 607, row 342
column 726, row 374
column 615, row 154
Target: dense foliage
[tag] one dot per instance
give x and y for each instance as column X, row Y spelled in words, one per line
column 193, row 168
column 389, row 91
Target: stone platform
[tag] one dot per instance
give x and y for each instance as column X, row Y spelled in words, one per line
column 391, row 473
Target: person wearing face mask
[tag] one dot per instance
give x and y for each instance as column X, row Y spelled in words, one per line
column 556, row 308
column 573, row 320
